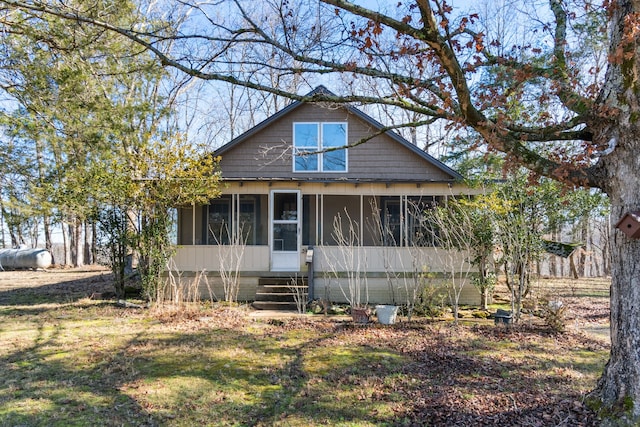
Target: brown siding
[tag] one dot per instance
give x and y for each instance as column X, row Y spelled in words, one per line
column 268, row 153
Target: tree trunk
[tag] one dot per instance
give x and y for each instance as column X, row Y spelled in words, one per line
column 572, row 266
column 73, row 248
column 65, row 243
column 87, row 244
column 595, row 263
column 48, row 244
column 618, row 128
column 77, row 232
column 94, row 242
column 582, row 254
column 606, row 252
column 619, row 386
column 3, row 242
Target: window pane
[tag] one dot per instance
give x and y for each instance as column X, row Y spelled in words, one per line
column 334, row 135
column 305, row 135
column 307, row 162
column 285, row 207
column 335, row 160
column 305, row 139
column 285, row 237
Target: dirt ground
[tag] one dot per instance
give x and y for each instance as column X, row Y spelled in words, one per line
column 54, row 285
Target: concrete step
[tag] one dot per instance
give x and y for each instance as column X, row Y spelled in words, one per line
column 285, row 297
column 279, row 293
column 275, row 305
column 281, row 281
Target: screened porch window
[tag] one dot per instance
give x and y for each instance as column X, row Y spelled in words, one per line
column 412, row 228
column 311, row 142
column 237, row 215
column 218, row 221
column 421, row 231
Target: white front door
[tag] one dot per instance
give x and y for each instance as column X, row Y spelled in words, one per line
column 284, row 236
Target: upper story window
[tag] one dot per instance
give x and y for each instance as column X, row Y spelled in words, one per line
column 317, row 138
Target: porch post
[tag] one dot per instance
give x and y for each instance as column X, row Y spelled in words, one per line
column 322, row 219
column 403, row 218
column 405, row 221
column 317, row 229
column 193, row 223
column 361, row 220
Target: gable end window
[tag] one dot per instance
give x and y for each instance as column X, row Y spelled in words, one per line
column 316, row 138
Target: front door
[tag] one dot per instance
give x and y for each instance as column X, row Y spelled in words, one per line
column 285, row 237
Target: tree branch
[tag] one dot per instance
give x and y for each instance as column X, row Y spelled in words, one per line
column 445, row 94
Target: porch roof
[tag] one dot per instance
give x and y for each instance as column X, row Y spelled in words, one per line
column 328, row 180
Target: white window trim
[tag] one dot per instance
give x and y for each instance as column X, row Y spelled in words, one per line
column 320, row 148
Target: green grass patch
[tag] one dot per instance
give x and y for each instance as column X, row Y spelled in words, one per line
column 90, row 363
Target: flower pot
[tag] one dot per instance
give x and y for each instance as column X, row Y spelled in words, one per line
column 386, row 314
column 360, row 315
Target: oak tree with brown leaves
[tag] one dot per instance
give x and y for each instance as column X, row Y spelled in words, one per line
column 540, row 102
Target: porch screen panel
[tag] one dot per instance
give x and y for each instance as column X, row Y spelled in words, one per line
column 345, row 206
column 247, row 219
column 218, row 223
column 421, row 231
column 372, row 233
column 185, row 226
column 309, row 220
column 391, row 218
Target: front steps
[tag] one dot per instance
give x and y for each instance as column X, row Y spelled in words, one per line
column 280, row 293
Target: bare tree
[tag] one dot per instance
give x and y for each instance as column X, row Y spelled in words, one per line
column 231, row 247
column 406, row 267
column 450, row 229
column 349, row 262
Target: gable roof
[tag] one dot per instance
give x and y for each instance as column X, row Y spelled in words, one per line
column 358, row 113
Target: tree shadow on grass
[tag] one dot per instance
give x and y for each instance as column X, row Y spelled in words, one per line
column 261, row 380
column 54, row 383
column 60, row 292
column 193, row 373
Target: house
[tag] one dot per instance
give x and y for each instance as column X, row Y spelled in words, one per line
column 297, row 205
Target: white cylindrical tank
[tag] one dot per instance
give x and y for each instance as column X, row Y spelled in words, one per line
column 24, row 258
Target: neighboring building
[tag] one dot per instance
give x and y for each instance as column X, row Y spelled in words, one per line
column 285, row 203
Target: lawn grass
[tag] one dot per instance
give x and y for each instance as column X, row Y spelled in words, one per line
column 87, row 362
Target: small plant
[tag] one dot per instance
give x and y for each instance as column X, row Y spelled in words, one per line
column 432, row 299
column 554, row 315
column 177, row 293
